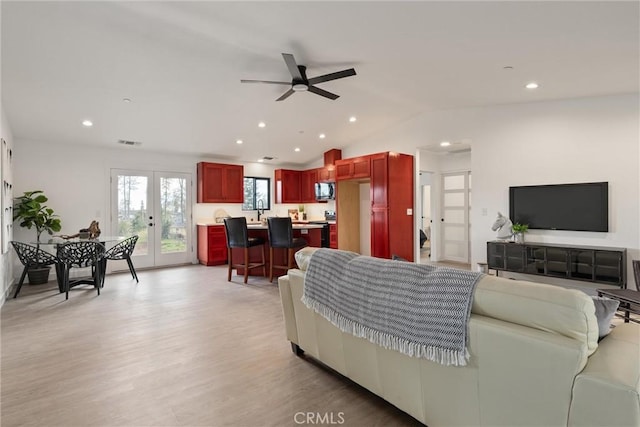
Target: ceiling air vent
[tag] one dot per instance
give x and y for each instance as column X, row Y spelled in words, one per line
column 268, row 158
column 126, row 142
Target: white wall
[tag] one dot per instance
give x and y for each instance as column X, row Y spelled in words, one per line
column 588, row 139
column 6, row 264
column 76, row 180
column 578, row 140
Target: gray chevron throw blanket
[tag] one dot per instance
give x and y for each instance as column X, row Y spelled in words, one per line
column 419, row 310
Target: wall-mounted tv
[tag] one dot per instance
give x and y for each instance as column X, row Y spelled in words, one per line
column 578, row 207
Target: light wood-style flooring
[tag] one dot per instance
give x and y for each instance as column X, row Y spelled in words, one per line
column 183, row 347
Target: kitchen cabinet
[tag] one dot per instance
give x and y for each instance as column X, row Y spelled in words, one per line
column 287, row 186
column 326, row 174
column 308, row 181
column 220, row 183
column 212, row 244
column 333, row 236
column 354, row 168
column 390, row 181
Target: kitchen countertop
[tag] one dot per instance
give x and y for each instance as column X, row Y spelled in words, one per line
column 258, row 226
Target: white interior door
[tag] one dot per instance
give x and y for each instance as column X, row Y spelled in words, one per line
column 456, row 189
column 157, row 207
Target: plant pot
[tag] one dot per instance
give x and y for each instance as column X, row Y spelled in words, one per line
column 518, row 237
column 38, row 276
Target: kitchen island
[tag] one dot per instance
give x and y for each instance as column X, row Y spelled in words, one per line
column 212, row 243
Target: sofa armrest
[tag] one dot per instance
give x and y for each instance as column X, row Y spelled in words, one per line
column 287, row 308
column 607, row 391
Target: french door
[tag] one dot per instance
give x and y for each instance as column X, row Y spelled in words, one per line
column 456, row 189
column 157, row 207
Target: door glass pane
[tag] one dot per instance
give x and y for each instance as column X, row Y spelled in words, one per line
column 173, row 211
column 454, row 199
column 132, row 210
column 453, row 182
column 454, row 216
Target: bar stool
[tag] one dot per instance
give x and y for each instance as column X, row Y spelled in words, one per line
column 281, row 237
column 238, row 237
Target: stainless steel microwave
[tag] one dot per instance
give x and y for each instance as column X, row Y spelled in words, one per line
column 325, row 191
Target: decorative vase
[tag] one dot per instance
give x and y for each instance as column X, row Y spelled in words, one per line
column 38, row 276
column 518, row 237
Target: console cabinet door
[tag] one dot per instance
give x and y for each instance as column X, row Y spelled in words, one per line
column 220, row 183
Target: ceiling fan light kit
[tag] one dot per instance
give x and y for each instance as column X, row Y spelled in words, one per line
column 300, row 82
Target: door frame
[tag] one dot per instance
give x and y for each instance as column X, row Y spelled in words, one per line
column 153, row 176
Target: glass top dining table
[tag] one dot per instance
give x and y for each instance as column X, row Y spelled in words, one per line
column 55, row 240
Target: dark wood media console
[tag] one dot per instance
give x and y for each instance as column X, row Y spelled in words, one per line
column 586, row 263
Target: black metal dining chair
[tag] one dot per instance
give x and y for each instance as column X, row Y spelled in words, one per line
column 32, row 257
column 81, row 255
column 238, row 237
column 121, row 251
column 281, row 237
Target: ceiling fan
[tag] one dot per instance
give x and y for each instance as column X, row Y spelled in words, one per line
column 301, row 83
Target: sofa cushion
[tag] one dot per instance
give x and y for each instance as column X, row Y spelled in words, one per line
column 303, row 256
column 605, row 310
column 568, row 312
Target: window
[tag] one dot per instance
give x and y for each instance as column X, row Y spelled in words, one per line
column 256, row 193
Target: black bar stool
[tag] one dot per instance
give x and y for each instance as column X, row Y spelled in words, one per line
column 281, row 237
column 238, row 237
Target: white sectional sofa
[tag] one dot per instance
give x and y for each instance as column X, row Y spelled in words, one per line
column 535, row 360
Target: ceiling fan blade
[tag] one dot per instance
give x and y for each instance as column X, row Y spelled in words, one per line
column 266, row 81
column 286, row 95
column 332, row 76
column 323, row 92
column 292, row 66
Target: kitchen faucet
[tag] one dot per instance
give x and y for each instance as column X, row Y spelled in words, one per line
column 260, row 208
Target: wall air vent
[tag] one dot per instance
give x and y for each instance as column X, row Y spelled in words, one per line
column 126, row 142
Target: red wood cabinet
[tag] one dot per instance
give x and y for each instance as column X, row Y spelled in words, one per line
column 212, row 245
column 308, row 181
column 287, row 186
column 220, row 183
column 354, row 168
column 392, row 220
column 333, row 236
column 326, row 174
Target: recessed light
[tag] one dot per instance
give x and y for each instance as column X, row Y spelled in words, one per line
column 239, row 141
column 445, row 144
column 297, row 149
column 127, row 100
column 322, row 136
column 261, row 124
column 87, row 123
column 352, row 119
column 260, row 160
column 532, row 85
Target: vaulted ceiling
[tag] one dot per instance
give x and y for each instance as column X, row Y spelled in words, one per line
column 180, row 65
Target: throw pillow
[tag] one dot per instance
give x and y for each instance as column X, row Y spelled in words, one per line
column 605, row 310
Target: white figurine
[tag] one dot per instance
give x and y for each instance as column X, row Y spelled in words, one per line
column 503, row 227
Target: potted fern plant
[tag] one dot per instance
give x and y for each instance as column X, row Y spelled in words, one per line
column 518, row 232
column 31, row 211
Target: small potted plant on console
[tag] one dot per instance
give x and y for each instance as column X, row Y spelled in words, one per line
column 518, row 232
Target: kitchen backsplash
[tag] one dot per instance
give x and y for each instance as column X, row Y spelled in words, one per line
column 314, row 211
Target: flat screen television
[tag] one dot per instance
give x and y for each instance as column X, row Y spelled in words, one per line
column 577, row 207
